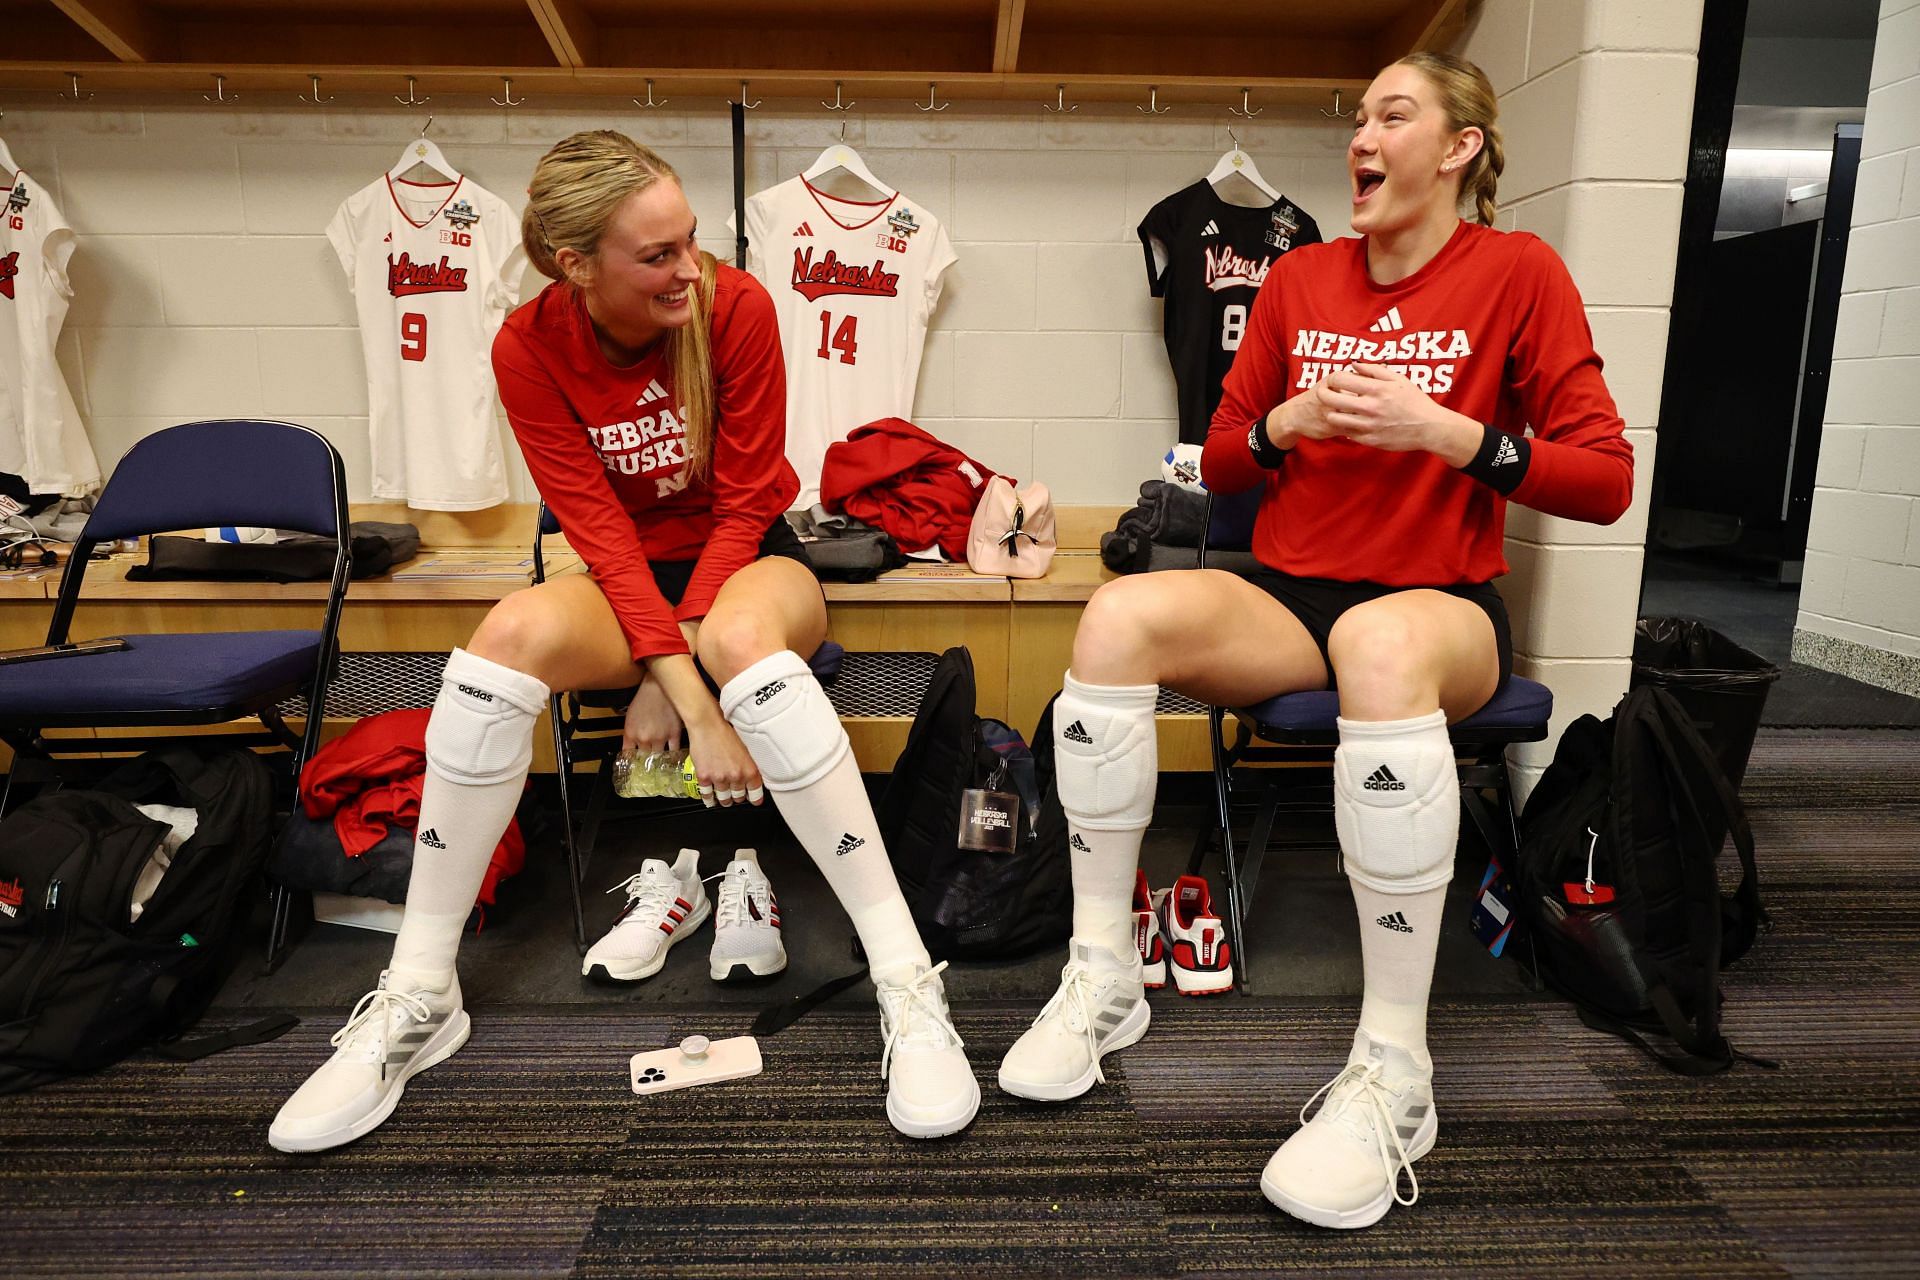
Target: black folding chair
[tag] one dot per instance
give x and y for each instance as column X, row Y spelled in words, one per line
column 1293, row 727
column 228, row 472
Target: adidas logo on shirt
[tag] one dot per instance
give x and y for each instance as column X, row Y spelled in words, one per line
column 1078, row 843
column 848, row 843
column 1382, row 779
column 1077, row 732
column 431, row 839
column 1507, row 452
column 1396, row 922
column 1211, row 229
column 803, row 230
column 1386, row 323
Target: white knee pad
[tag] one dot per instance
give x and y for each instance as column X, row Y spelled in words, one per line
column 1397, row 802
column 481, row 729
column 785, row 721
column 1105, row 755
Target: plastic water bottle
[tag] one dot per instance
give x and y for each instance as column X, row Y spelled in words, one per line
column 655, row 774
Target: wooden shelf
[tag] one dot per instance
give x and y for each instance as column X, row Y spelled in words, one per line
column 1285, row 52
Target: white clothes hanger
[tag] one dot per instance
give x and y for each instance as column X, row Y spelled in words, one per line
column 6, row 156
column 423, row 153
column 1237, row 163
column 843, row 157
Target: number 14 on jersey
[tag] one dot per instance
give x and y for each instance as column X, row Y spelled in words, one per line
column 845, row 339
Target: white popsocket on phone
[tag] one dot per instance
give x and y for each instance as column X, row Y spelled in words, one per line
column 698, row 1060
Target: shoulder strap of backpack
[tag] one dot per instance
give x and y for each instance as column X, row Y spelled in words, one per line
column 192, row 1050
column 946, row 708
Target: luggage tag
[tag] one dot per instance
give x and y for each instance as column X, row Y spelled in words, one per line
column 990, row 816
column 1493, row 909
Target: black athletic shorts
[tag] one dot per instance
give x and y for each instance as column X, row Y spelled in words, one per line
column 672, row 576
column 1319, row 602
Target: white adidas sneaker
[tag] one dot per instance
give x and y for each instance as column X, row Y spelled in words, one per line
column 1342, row 1168
column 931, row 1091
column 746, row 925
column 1101, row 1007
column 664, row 904
column 390, row 1037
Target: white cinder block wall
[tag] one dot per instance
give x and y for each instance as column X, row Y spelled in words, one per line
column 1860, row 597
column 205, row 285
column 1596, row 100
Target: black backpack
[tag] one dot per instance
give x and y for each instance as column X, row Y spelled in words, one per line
column 1619, row 885
column 80, row 986
column 970, row 904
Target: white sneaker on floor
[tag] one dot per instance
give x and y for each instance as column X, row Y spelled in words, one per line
column 664, row 904
column 1101, row 1006
column 391, row 1036
column 931, row 1091
column 1342, row 1168
column 1202, row 960
column 746, row 924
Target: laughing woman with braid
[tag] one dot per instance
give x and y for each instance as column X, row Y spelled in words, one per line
column 1382, row 401
column 648, row 394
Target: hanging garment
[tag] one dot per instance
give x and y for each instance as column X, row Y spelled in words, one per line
column 41, row 436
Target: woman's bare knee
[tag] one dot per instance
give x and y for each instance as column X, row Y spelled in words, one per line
column 1384, row 667
column 731, row 641
column 1119, row 633
column 519, row 632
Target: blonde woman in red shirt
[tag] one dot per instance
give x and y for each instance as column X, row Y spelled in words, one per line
column 1381, row 399
column 647, row 391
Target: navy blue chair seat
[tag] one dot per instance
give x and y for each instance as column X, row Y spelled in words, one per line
column 1309, row 718
column 201, row 673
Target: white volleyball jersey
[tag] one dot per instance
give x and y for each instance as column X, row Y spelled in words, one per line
column 42, row 439
column 434, row 268
column 854, row 284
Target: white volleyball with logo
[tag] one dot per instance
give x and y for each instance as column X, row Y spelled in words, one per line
column 1181, row 466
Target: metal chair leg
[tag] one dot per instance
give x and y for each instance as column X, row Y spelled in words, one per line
column 576, row 871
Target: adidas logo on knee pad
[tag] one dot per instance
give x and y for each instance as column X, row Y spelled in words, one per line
column 472, row 692
column 767, row 691
column 1078, row 843
column 848, row 843
column 1077, row 732
column 1382, row 779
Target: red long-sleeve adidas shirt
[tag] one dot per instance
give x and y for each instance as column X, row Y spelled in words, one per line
column 1492, row 328
column 606, row 448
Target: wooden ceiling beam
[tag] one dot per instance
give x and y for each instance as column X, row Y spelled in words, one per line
column 1423, row 24
column 125, row 27
column 569, row 29
column 1006, row 40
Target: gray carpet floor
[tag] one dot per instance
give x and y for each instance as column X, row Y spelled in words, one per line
column 1562, row 1152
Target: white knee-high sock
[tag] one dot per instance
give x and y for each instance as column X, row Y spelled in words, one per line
column 479, row 747
column 1107, row 760
column 1397, row 809
column 789, row 728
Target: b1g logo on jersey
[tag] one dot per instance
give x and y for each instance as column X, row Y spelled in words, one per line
column 815, row 280
column 9, row 268
column 17, row 202
column 405, row 276
column 460, row 216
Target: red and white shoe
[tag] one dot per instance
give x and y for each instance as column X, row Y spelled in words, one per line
column 1147, row 938
column 664, row 904
column 1202, row 960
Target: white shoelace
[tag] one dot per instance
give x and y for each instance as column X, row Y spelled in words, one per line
column 646, row 892
column 373, row 1011
column 733, row 898
column 1360, row 1083
column 1076, row 1001
column 900, row 1002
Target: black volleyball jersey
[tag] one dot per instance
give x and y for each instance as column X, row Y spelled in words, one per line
column 1215, row 257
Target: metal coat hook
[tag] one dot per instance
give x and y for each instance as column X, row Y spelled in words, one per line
column 649, row 102
column 411, row 101
column 743, row 98
column 1060, row 101
column 316, row 99
column 75, row 95
column 930, row 107
column 836, row 104
column 1245, row 110
column 1233, row 137
column 220, row 94
column 1153, row 107
column 511, row 100
column 1336, row 113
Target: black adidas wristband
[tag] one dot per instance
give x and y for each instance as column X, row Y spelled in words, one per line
column 1502, row 460
column 1265, row 452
